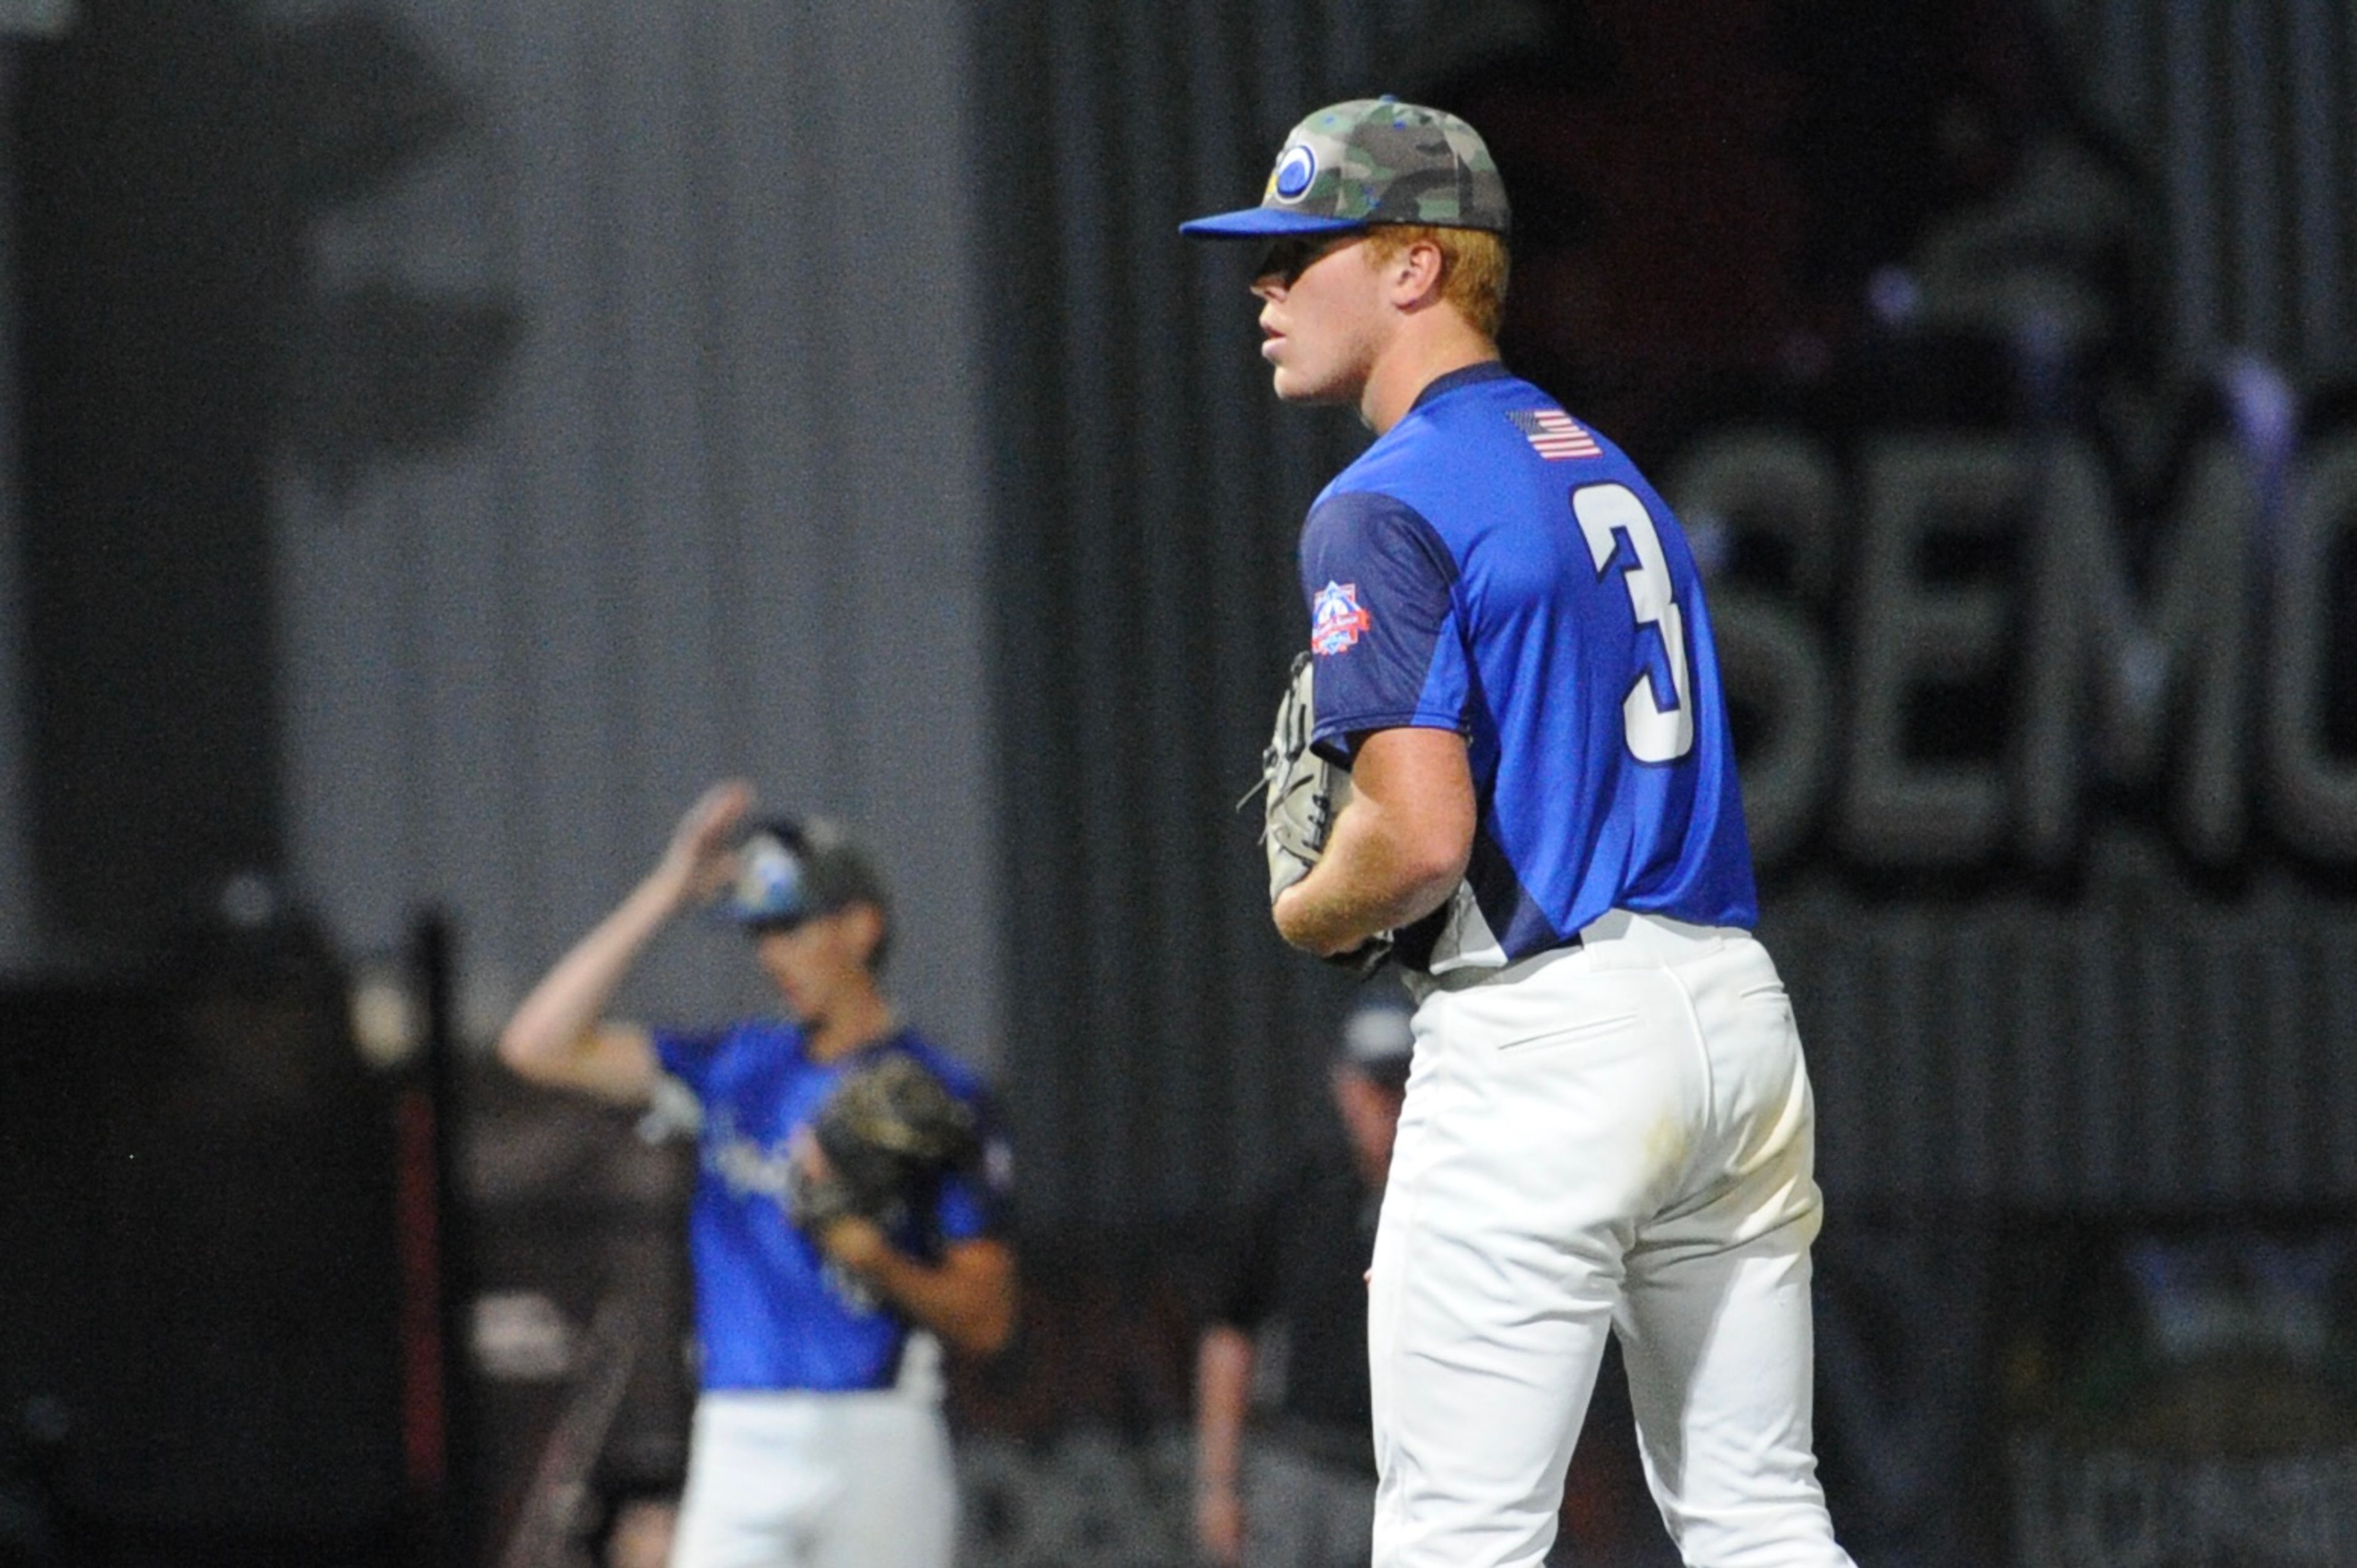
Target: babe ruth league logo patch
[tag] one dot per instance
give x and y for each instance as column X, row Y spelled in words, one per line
column 1334, row 618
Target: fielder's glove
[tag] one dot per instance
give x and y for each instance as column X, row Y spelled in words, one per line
column 890, row 1132
column 1301, row 793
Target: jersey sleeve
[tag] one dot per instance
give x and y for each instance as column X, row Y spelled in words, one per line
column 978, row 1201
column 1383, row 620
column 687, row 1059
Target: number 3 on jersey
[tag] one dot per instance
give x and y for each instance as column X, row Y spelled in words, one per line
column 1605, row 512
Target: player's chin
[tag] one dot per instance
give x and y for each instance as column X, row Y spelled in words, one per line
column 1295, row 385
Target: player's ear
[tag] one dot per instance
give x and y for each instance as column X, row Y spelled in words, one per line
column 1415, row 274
column 866, row 923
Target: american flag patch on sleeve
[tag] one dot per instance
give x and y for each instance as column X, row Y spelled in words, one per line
column 1553, row 434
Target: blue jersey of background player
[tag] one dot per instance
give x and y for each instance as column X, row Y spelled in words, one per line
column 773, row 1310
column 818, row 1438
column 1490, row 566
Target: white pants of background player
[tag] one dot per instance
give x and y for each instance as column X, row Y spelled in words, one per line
column 1616, row 1138
column 818, row 1480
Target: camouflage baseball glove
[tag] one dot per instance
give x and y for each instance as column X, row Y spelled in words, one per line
column 889, row 1133
column 1301, row 793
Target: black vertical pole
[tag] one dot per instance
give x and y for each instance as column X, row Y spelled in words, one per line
column 439, row 1436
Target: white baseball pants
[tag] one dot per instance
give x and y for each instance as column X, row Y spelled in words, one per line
column 817, row 1481
column 1616, row 1138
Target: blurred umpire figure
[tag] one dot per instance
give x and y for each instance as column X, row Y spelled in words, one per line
column 1291, row 1325
column 818, row 1438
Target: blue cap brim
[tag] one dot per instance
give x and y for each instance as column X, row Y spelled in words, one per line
column 1260, row 222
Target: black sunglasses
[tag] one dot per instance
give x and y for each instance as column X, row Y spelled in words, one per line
column 1286, row 259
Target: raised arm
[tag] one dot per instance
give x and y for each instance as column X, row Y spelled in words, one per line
column 560, row 1035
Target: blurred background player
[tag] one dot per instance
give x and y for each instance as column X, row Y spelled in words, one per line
column 818, row 1438
column 1287, row 1344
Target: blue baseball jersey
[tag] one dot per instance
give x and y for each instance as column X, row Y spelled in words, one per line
column 771, row 1312
column 1490, row 566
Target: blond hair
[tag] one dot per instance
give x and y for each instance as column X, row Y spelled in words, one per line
column 1473, row 267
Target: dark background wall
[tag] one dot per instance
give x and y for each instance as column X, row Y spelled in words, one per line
column 1997, row 357
column 2019, row 462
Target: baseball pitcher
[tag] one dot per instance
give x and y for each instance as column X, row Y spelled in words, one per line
column 1511, row 774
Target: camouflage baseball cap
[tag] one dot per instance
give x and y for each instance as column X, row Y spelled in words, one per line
column 1372, row 160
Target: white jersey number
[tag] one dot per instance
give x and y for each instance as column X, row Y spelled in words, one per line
column 1606, row 511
